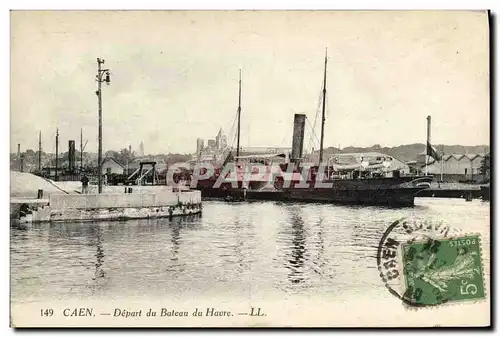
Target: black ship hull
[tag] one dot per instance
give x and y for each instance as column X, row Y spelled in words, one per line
column 485, row 193
column 393, row 192
column 393, row 197
column 217, row 193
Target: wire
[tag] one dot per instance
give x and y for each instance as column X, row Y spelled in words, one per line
column 313, row 135
column 287, row 134
column 318, row 111
column 232, row 133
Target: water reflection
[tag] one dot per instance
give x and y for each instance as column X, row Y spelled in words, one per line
column 176, row 231
column 253, row 250
column 99, row 270
column 296, row 263
column 238, row 245
column 319, row 243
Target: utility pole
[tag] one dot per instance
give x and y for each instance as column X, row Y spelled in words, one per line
column 81, row 151
column 40, row 151
column 239, row 118
column 442, row 161
column 100, row 78
column 18, row 156
column 323, row 113
column 428, row 145
column 57, row 151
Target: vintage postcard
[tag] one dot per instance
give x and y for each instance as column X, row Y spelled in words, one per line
column 250, row 169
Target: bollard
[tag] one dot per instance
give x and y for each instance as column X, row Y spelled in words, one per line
column 126, row 189
column 40, row 194
column 130, row 190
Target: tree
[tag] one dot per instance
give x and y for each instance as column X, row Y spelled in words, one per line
column 112, row 154
column 125, row 156
column 486, row 167
column 177, row 158
column 31, row 153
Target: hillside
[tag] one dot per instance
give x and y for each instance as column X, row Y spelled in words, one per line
column 403, row 152
column 411, row 151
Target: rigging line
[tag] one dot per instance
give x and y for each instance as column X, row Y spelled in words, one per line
column 232, row 133
column 327, row 104
column 234, row 139
column 313, row 132
column 318, row 111
column 234, row 130
column 307, row 146
column 314, row 141
column 318, row 108
column 310, row 144
column 310, row 141
column 286, row 136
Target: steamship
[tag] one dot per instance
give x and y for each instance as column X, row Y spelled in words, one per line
column 361, row 183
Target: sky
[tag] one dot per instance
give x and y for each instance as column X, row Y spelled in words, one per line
column 174, row 77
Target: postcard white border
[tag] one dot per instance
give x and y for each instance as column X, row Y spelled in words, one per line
column 147, row 4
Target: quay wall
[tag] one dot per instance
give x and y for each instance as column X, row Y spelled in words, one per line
column 46, row 214
column 122, row 200
column 450, row 193
column 92, row 189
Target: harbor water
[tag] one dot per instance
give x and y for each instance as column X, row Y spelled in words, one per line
column 257, row 251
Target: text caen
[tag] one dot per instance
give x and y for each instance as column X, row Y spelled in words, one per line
column 78, row 312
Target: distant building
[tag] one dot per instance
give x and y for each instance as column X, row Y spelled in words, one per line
column 218, row 149
column 456, row 164
column 211, row 145
column 110, row 165
column 200, row 144
column 140, row 153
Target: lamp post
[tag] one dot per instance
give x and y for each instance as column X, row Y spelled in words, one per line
column 102, row 76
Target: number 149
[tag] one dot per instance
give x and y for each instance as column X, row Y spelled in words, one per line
column 46, row 312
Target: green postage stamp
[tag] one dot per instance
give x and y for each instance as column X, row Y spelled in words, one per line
column 440, row 271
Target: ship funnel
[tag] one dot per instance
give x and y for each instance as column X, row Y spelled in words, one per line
column 299, row 123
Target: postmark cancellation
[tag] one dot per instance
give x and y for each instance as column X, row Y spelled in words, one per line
column 431, row 265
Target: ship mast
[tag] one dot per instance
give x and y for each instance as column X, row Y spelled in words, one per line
column 40, row 152
column 323, row 113
column 239, row 119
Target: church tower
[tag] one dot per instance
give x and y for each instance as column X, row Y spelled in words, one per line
column 141, row 149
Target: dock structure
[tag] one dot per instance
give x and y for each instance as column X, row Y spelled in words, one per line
column 156, row 202
column 455, row 193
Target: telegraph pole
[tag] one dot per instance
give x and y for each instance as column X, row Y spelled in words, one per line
column 239, row 119
column 81, row 151
column 57, row 151
column 100, row 78
column 442, row 161
column 19, row 156
column 428, row 143
column 40, row 151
